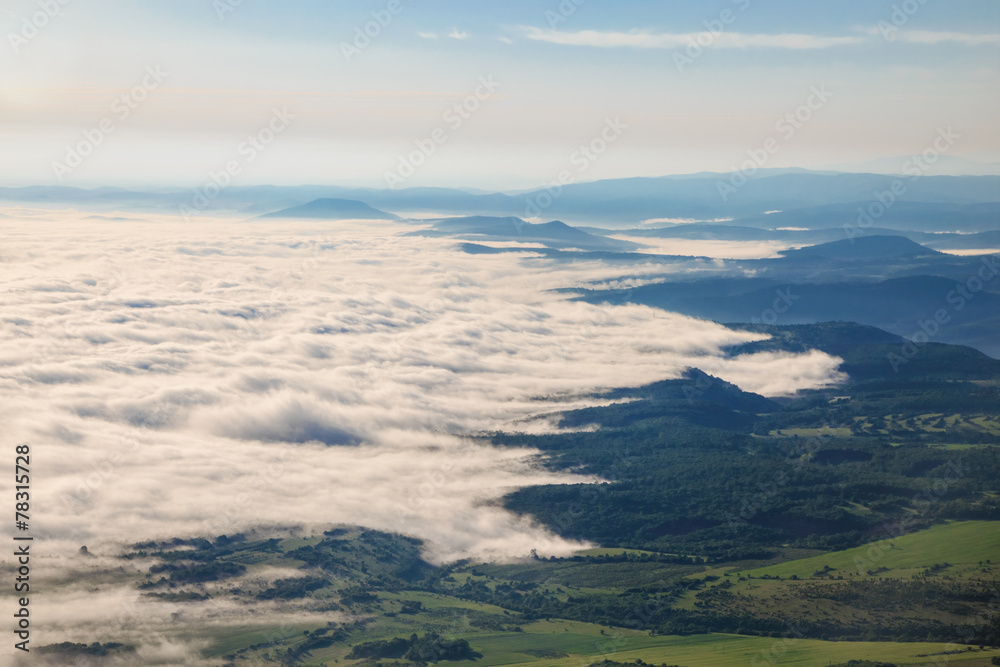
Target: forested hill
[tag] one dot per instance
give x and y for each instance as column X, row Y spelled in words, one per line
column 697, row 466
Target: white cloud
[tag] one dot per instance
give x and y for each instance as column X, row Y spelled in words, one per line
column 812, row 368
column 645, row 39
column 215, row 377
column 427, row 35
column 718, row 249
column 192, row 379
column 458, row 34
column 931, row 37
column 79, row 606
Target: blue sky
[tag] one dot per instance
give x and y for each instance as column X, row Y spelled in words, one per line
column 562, row 72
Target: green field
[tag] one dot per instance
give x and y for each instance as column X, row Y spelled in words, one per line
column 790, row 593
column 575, row 644
column 927, row 579
column 961, row 543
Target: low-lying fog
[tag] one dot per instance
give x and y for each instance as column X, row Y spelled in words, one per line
column 200, row 378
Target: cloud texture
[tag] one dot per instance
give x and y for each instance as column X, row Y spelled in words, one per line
column 198, row 379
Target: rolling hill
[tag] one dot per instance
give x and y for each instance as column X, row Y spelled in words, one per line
column 554, row 234
column 331, row 209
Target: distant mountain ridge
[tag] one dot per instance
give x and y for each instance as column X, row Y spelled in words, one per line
column 554, row 234
column 618, row 203
column 862, row 248
column 332, row 209
column 901, row 215
column 986, row 240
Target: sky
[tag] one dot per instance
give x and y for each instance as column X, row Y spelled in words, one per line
column 690, row 86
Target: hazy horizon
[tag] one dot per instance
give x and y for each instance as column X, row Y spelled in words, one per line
column 945, row 167
column 693, row 88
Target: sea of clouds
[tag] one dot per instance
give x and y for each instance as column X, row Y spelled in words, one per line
column 202, row 378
